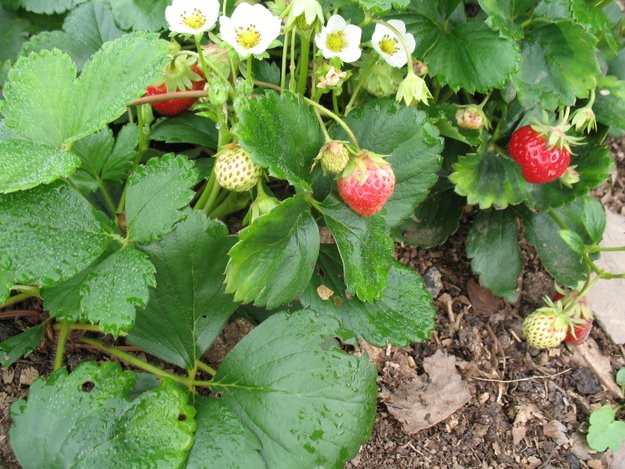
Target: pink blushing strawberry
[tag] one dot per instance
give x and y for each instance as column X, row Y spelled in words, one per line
column 367, row 183
column 582, row 319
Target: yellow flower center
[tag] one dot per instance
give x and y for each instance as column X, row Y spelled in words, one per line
column 336, row 41
column 248, row 37
column 388, row 45
column 194, row 20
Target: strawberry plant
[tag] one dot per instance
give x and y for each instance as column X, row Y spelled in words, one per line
column 371, row 120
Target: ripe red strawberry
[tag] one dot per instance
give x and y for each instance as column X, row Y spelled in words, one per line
column 178, row 80
column 581, row 325
column 539, row 163
column 366, row 183
column 545, row 328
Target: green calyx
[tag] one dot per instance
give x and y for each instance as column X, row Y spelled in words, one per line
column 364, row 161
column 178, row 74
column 556, row 135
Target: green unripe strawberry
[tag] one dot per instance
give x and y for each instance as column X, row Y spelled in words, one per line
column 333, row 157
column 235, row 170
column 545, row 328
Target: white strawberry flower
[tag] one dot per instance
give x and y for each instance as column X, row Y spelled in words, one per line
column 192, row 16
column 339, row 39
column 250, row 30
column 389, row 45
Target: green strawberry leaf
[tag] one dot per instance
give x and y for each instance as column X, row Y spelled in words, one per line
column 605, row 432
column 593, row 219
column 62, row 301
column 49, row 234
column 86, row 419
column 403, row 315
column 275, row 256
column 565, row 265
column 47, row 104
column 50, row 6
column 593, row 164
column 444, row 117
column 489, row 180
column 470, row 55
column 21, row 345
column 609, row 106
column 620, row 377
column 412, row 144
column 223, row 438
column 380, row 7
column 559, row 65
column 15, row 29
column 188, row 127
column 282, row 134
column 105, row 158
column 25, row 164
column 595, row 21
column 365, row 247
column 157, row 192
column 493, row 247
column 85, row 30
column 188, row 308
column 573, row 240
column 271, row 383
column 115, row 288
column 501, row 15
column 433, row 221
column 140, row 15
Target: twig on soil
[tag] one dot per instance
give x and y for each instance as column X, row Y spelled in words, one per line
column 417, row 451
column 529, row 378
column 18, row 314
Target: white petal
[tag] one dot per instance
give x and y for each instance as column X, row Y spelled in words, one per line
column 242, row 15
column 379, row 32
column 350, row 54
column 399, row 25
column 320, row 39
column 336, row 23
column 410, row 42
column 226, row 29
column 353, row 34
column 397, row 60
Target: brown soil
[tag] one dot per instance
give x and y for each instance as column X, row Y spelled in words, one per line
column 541, row 398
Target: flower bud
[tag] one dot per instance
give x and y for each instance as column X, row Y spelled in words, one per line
column 471, row 117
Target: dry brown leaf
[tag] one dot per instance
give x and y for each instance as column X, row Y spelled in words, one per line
column 519, row 427
column 324, row 292
column 425, row 401
column 556, row 431
column 28, row 375
column 483, row 300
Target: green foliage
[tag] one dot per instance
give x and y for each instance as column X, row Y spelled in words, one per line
column 433, row 221
column 185, row 128
column 403, row 315
column 282, row 134
column 25, row 164
column 156, row 194
column 20, row 345
column 50, row 6
column 489, row 180
column 470, row 55
column 115, row 288
column 493, row 247
column 49, row 234
column 85, row 419
column 140, row 15
column 189, row 308
column 105, row 158
column 365, row 247
column 605, row 432
column 282, row 245
column 620, row 377
column 45, row 102
column 558, row 64
column 85, row 30
column 313, row 404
